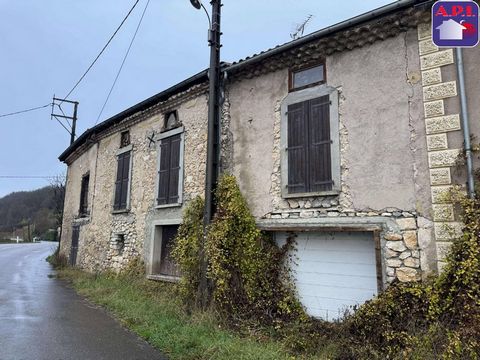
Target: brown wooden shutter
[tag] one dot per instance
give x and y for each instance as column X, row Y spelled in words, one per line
column 169, row 172
column 319, row 167
column 296, row 148
column 125, row 179
column 174, row 169
column 122, row 181
column 84, row 195
column 309, row 146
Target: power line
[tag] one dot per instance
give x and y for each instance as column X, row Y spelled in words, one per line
column 27, row 110
column 101, row 52
column 25, row 177
column 123, row 62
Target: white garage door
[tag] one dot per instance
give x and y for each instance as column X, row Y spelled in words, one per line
column 333, row 271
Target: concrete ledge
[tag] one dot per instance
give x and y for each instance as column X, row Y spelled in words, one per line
column 373, row 223
column 172, row 279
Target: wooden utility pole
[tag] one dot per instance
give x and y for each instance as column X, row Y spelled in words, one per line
column 71, row 128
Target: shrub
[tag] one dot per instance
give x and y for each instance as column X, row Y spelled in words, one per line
column 57, row 260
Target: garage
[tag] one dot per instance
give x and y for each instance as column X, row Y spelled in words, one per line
column 333, row 270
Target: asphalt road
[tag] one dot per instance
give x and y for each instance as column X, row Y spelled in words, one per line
column 41, row 318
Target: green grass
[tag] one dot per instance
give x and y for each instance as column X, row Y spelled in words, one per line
column 152, row 310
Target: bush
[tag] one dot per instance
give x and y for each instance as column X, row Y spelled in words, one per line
column 57, row 260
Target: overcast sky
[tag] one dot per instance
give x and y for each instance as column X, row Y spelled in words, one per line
column 46, row 45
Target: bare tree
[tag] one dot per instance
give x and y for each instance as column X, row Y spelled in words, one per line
column 58, row 186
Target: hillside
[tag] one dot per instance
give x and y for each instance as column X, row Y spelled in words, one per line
column 38, row 209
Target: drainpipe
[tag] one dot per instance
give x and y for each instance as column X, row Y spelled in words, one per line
column 465, row 123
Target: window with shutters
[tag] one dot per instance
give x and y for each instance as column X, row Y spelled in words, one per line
column 83, row 210
column 310, row 142
column 170, row 168
column 122, row 181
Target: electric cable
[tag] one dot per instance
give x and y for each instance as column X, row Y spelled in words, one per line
column 27, row 110
column 123, row 62
column 101, row 52
column 25, row 177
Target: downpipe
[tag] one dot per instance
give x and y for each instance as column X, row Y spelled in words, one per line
column 465, row 123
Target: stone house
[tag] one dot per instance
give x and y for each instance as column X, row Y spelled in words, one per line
column 346, row 138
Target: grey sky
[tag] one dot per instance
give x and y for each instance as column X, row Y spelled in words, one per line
column 46, row 45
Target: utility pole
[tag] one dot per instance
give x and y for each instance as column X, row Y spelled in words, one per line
column 213, row 136
column 213, row 145
column 71, row 128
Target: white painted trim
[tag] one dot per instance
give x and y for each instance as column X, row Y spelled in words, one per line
column 124, row 149
column 169, row 133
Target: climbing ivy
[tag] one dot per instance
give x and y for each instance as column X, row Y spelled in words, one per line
column 246, row 270
column 186, row 250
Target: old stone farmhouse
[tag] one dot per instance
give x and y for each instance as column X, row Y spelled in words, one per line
column 347, row 137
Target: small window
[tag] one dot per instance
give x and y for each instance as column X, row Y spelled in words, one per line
column 83, row 211
column 125, row 139
column 171, row 120
column 306, row 77
column 119, row 244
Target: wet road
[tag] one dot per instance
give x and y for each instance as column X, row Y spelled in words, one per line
column 41, row 318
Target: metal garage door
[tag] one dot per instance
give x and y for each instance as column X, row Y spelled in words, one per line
column 333, row 271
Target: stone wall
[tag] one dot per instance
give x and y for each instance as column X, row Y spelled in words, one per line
column 109, row 240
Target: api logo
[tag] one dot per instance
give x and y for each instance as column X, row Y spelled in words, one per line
column 455, row 23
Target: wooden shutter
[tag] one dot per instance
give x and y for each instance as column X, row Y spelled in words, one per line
column 309, row 146
column 297, row 144
column 84, row 195
column 169, row 171
column 319, row 167
column 122, row 182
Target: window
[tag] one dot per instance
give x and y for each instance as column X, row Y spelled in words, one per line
column 171, row 120
column 124, row 139
column 83, row 211
column 307, row 77
column 170, row 174
column 162, row 263
column 310, row 140
column 122, row 183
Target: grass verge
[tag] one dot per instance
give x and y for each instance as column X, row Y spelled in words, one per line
column 152, row 310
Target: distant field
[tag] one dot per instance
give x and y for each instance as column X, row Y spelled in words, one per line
column 6, row 241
